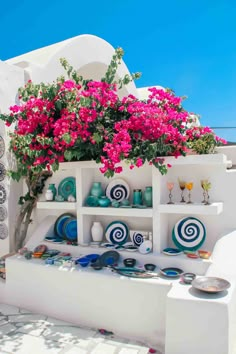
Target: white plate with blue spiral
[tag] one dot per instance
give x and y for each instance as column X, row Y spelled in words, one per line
column 117, row 232
column 189, row 234
column 118, row 190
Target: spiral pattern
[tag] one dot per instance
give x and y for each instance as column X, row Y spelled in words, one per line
column 3, row 194
column 2, row 172
column 137, row 238
column 117, row 233
column 3, row 231
column 118, row 193
column 189, row 234
column 2, row 147
column 3, row 213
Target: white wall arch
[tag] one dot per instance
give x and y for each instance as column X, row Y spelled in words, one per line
column 87, row 53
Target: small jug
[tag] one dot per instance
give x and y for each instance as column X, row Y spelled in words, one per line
column 53, row 189
column 96, row 190
column 137, row 197
column 49, row 195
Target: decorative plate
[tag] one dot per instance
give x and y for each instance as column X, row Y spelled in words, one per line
column 138, row 237
column 59, row 223
column 210, row 285
column 172, row 251
column 109, row 258
column 117, row 232
column 70, row 229
column 189, row 234
column 3, row 231
column 3, row 194
column 145, row 247
column 171, row 272
column 2, row 172
column 2, row 146
column 67, row 187
column 3, row 213
column 118, row 190
column 134, row 272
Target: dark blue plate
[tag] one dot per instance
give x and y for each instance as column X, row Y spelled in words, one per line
column 58, row 226
column 70, row 229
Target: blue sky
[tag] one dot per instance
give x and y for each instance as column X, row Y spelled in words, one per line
column 189, row 46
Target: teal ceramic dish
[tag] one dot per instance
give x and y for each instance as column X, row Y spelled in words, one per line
column 67, row 187
column 70, row 229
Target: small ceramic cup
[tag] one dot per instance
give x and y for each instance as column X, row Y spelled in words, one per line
column 187, row 278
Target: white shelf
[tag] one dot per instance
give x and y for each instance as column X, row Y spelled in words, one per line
column 56, row 205
column 212, row 209
column 209, row 159
column 135, row 212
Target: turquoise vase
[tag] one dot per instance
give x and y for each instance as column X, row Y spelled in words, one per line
column 96, row 190
column 148, row 197
column 104, row 202
column 137, row 197
column 53, row 189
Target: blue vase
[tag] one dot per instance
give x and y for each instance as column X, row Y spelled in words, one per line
column 148, row 197
column 53, row 189
column 96, row 190
column 104, row 201
column 137, row 197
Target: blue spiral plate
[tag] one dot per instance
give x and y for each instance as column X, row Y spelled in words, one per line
column 117, row 190
column 137, row 238
column 117, row 232
column 189, row 234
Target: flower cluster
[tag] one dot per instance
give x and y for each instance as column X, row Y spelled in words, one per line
column 77, row 119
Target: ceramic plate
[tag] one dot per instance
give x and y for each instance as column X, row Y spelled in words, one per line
column 134, row 272
column 3, row 231
column 118, row 190
column 172, row 251
column 2, row 147
column 2, row 172
column 3, row 194
column 109, row 258
column 210, row 285
column 3, row 213
column 70, row 229
column 67, row 187
column 138, row 237
column 117, row 232
column 145, row 247
column 58, row 226
column 189, row 234
column 171, row 272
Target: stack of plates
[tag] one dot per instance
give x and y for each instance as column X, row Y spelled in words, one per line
column 66, row 227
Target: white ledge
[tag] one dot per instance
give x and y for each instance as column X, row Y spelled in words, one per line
column 212, row 209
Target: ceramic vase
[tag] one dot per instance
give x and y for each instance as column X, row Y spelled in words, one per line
column 104, row 201
column 53, row 189
column 137, row 197
column 148, row 197
column 49, row 195
column 97, row 231
column 96, row 190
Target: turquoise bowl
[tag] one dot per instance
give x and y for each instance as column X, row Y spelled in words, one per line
column 104, row 202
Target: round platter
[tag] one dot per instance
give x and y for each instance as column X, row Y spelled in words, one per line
column 117, row 232
column 70, row 229
column 118, row 190
column 67, row 187
column 210, row 285
column 172, row 251
column 137, row 238
column 134, row 272
column 59, row 223
column 189, row 234
column 3, row 194
column 109, row 258
column 2, row 147
column 2, row 172
column 3, row 213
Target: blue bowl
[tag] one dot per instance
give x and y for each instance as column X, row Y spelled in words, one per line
column 84, row 261
column 92, row 257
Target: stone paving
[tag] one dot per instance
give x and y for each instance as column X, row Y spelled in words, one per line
column 24, row 332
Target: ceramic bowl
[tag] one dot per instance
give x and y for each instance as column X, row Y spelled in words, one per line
column 92, row 201
column 92, row 257
column 125, row 202
column 104, row 202
column 150, row 266
column 188, row 277
column 129, row 262
column 204, row 254
column 83, row 262
column 96, row 265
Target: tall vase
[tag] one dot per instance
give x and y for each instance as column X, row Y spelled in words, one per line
column 148, row 196
column 137, row 197
column 53, row 189
column 96, row 189
column 97, row 231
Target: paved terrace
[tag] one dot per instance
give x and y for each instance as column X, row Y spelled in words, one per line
column 24, row 332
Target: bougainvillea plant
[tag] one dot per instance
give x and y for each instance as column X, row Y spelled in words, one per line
column 74, row 119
